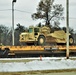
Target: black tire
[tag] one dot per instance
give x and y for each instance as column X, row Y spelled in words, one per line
column 41, row 40
column 71, row 40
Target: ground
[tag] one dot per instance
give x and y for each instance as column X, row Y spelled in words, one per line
column 67, row 72
column 35, row 66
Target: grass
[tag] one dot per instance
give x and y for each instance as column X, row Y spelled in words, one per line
column 9, row 61
column 38, row 72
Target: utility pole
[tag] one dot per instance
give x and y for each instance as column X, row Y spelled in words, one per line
column 67, row 25
column 13, row 22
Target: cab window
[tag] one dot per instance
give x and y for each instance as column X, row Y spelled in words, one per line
column 30, row 30
column 36, row 29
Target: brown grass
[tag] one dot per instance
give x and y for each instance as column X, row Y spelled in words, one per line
column 37, row 72
column 9, row 61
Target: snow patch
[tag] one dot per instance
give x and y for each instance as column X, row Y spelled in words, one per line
column 45, row 64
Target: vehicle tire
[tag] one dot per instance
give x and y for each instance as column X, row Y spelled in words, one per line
column 41, row 40
column 71, row 40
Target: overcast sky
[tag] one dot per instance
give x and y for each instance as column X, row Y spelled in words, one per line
column 24, row 9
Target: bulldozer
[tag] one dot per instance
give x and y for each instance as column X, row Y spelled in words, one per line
column 44, row 35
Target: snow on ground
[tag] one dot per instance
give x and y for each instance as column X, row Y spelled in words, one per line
column 45, row 64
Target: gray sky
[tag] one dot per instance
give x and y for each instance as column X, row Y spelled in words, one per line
column 27, row 7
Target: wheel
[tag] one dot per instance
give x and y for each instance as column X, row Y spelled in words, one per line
column 41, row 40
column 71, row 40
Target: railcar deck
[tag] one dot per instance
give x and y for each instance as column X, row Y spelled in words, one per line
column 35, row 50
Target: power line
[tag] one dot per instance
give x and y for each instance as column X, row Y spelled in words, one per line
column 71, row 17
column 5, row 10
column 23, row 11
column 29, row 12
column 16, row 10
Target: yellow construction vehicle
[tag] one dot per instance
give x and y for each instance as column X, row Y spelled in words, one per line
column 43, row 35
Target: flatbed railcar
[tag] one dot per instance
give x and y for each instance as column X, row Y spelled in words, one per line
column 6, row 51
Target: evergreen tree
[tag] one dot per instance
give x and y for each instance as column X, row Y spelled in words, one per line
column 48, row 11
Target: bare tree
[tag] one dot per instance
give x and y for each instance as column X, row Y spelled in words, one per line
column 3, row 34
